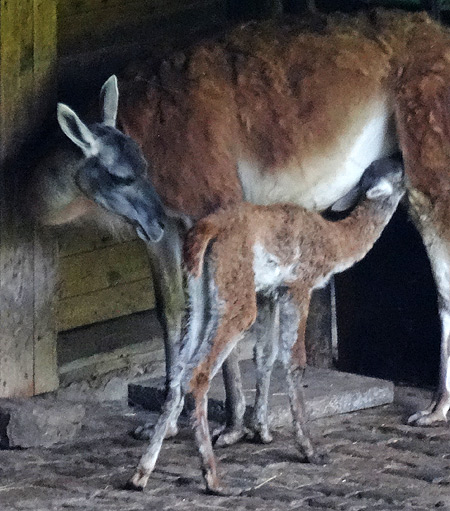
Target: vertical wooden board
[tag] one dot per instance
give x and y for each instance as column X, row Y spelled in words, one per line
column 45, row 320
column 318, row 337
column 16, row 310
column 25, row 118
column 16, row 243
column 45, row 57
column 19, row 292
column 45, row 246
column 9, row 71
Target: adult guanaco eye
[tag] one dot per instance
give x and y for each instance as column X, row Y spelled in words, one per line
column 121, row 181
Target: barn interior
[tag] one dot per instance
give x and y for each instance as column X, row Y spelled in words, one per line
column 77, row 307
column 64, row 51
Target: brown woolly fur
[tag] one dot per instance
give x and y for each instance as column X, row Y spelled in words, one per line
column 282, row 252
column 423, row 118
column 262, row 93
column 284, row 231
column 280, row 94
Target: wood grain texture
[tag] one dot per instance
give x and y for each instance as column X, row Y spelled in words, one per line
column 76, row 241
column 26, row 56
column 16, row 242
column 104, row 304
column 106, row 267
column 45, row 306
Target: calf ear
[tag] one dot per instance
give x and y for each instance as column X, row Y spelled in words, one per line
column 348, row 200
column 109, row 97
column 382, row 189
column 76, row 130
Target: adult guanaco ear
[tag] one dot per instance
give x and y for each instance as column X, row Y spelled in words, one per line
column 382, row 189
column 349, row 200
column 109, row 98
column 76, row 130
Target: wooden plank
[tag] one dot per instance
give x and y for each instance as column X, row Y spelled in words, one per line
column 45, row 305
column 125, row 23
column 90, row 271
column 76, row 241
column 16, row 241
column 105, row 304
column 107, row 336
column 140, row 354
column 22, row 54
column 319, row 329
column 9, row 72
column 45, row 247
column 45, row 57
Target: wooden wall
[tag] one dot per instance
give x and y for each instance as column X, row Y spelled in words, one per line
column 101, row 278
column 27, row 256
column 65, row 49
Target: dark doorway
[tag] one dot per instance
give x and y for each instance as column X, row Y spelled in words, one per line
column 388, row 323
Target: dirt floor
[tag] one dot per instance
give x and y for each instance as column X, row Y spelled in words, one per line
column 376, row 463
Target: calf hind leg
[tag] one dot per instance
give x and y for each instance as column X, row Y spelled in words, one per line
column 266, row 332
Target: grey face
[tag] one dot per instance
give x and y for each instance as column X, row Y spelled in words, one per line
column 112, row 169
column 116, row 178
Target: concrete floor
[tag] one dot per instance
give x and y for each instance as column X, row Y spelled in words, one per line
column 377, row 463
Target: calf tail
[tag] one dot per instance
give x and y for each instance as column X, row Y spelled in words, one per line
column 197, row 241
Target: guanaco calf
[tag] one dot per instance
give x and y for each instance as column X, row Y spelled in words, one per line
column 282, row 251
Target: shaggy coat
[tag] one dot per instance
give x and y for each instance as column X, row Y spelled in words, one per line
column 283, row 252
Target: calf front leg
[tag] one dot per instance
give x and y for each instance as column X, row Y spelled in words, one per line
column 266, row 334
column 438, row 250
column 293, row 316
column 267, row 331
column 234, row 428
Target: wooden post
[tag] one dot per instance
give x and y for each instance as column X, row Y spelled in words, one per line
column 27, row 89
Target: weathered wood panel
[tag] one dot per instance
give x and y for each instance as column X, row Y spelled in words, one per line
column 107, row 267
column 44, row 65
column 106, row 303
column 45, row 273
column 16, row 246
column 76, row 241
column 27, row 61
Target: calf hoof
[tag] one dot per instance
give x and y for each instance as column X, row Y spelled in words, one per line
column 228, row 436
column 138, row 482
column 146, row 431
column 427, row 418
column 260, row 435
